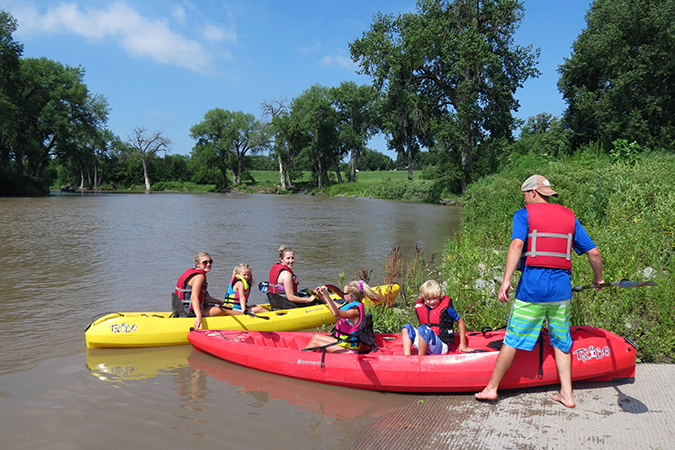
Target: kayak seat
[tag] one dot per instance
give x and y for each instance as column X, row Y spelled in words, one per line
column 496, row 345
column 365, row 334
column 177, row 308
column 278, row 302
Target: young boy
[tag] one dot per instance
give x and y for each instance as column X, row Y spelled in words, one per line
column 437, row 316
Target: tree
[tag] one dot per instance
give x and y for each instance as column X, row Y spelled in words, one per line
column 406, row 122
column 314, row 129
column 356, row 107
column 373, row 160
column 56, row 114
column 289, row 142
column 273, row 109
column 143, row 145
column 229, row 134
column 455, row 61
column 618, row 83
column 46, row 111
column 10, row 63
column 85, row 161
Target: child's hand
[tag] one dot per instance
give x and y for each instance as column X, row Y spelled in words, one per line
column 465, row 349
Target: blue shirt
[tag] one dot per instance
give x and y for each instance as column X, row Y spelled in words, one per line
column 542, row 284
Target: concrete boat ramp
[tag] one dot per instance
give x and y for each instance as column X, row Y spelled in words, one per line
column 638, row 415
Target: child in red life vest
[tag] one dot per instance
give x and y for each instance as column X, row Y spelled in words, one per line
column 437, row 317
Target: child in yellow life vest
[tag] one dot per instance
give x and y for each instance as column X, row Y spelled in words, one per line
column 437, row 317
column 239, row 290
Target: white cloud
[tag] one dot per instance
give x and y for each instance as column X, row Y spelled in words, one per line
column 178, row 13
column 315, row 46
column 338, row 60
column 140, row 36
column 218, row 34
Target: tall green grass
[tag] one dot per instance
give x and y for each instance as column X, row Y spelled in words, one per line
column 627, row 207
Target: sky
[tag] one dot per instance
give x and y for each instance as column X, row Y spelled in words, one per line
column 163, row 64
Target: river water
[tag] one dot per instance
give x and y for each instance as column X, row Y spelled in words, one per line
column 69, row 257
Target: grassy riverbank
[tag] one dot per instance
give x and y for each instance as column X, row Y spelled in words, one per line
column 387, row 185
column 628, row 208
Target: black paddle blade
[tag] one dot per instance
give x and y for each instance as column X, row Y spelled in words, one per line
column 625, row 283
column 622, row 284
column 264, row 286
column 248, row 313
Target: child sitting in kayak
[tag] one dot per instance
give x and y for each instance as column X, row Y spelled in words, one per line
column 239, row 290
column 437, row 317
column 349, row 316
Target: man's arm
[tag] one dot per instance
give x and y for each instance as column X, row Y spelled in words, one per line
column 595, row 260
column 512, row 257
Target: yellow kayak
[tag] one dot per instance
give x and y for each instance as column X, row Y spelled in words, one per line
column 156, row 329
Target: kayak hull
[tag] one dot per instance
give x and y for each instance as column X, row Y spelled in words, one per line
column 597, row 355
column 156, row 329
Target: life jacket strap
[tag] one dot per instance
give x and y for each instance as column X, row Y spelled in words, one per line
column 535, row 234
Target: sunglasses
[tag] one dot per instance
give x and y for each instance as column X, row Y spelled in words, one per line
column 208, row 261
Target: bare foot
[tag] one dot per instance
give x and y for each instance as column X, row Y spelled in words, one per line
column 564, row 399
column 486, row 394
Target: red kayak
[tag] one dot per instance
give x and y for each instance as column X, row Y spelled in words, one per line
column 597, row 355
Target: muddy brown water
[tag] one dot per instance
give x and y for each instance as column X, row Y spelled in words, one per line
column 69, row 257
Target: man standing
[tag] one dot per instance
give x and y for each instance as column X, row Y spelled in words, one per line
column 548, row 232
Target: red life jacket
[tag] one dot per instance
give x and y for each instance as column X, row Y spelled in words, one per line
column 550, row 231
column 182, row 286
column 274, row 286
column 437, row 318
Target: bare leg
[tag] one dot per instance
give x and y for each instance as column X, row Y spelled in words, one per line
column 563, row 362
column 318, row 340
column 504, row 361
column 423, row 346
column 214, row 311
column 407, row 343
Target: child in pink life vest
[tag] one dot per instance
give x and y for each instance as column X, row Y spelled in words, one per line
column 349, row 316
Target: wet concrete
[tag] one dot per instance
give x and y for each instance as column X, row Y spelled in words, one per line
column 638, row 415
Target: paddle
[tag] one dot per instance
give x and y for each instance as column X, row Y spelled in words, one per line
column 335, row 289
column 622, row 284
column 264, row 286
column 248, row 313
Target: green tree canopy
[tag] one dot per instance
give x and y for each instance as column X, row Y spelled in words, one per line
column 456, row 60
column 225, row 137
column 356, row 106
column 313, row 127
column 10, row 61
column 619, row 82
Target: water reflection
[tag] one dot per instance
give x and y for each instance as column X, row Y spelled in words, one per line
column 193, row 371
column 125, row 365
column 332, row 401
